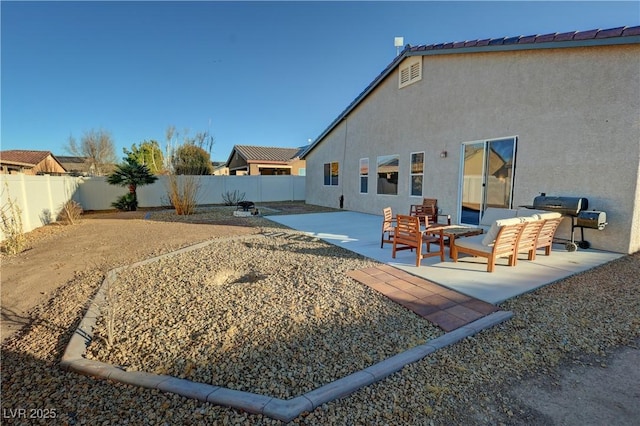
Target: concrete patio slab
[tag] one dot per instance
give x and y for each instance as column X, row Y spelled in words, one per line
column 361, row 232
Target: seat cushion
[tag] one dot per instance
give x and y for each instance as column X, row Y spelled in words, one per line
column 492, row 233
column 547, row 215
column 491, row 214
column 523, row 211
column 474, row 242
column 527, row 218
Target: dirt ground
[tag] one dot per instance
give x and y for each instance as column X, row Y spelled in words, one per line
column 99, row 240
column 578, row 396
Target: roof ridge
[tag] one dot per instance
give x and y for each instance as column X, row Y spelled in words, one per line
column 625, row 31
column 269, row 147
column 25, row 150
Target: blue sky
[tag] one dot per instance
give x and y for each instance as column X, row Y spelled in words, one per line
column 252, row 73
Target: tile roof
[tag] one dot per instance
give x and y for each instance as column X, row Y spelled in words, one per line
column 530, row 39
column 545, row 41
column 68, row 159
column 263, row 153
column 24, row 156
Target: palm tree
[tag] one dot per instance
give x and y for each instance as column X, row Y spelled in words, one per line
column 130, row 174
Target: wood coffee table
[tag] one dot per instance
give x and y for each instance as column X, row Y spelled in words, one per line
column 451, row 232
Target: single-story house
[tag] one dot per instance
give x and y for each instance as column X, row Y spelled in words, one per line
column 77, row 166
column 494, row 122
column 262, row 160
column 30, row 162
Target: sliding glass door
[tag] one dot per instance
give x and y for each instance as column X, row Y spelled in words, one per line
column 487, row 177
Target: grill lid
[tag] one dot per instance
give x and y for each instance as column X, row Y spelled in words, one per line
column 564, row 205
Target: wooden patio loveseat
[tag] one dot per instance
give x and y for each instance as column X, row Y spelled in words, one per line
column 508, row 237
column 493, row 246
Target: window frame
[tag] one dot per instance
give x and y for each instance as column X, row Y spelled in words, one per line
column 332, row 178
column 364, row 177
column 413, row 174
column 387, row 159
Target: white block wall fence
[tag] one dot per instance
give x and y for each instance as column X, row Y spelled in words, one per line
column 40, row 198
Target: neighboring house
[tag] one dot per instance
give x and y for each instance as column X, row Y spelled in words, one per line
column 30, row 162
column 494, row 123
column 261, row 160
column 77, row 166
column 84, row 166
column 220, row 168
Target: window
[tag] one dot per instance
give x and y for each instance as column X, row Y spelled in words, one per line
column 331, row 172
column 364, row 175
column 388, row 175
column 302, row 171
column 417, row 173
column 410, row 71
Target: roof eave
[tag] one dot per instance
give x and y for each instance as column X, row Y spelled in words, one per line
column 357, row 100
column 529, row 46
column 58, row 161
column 17, row 163
column 234, row 150
column 258, row 161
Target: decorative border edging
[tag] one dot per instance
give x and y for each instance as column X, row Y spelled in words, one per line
column 285, row 410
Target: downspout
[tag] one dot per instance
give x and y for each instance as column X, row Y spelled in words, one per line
column 344, row 156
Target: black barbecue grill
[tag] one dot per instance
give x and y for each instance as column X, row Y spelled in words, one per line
column 576, row 208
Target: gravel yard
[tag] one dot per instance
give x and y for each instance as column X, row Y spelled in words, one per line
column 270, row 315
column 251, row 309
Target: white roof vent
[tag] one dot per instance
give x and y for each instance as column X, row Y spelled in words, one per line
column 398, row 42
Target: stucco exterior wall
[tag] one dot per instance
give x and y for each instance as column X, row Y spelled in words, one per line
column 296, row 165
column 575, row 111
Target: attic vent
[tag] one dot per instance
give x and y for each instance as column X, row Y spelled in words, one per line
column 410, row 71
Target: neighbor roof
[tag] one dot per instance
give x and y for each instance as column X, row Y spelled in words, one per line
column 68, row 159
column 612, row 36
column 252, row 153
column 24, row 157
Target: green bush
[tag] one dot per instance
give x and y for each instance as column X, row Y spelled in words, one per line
column 127, row 202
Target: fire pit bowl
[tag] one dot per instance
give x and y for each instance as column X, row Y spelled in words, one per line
column 245, row 209
column 245, row 206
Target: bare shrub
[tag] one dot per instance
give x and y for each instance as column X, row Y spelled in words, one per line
column 11, row 226
column 70, row 212
column 183, row 193
column 232, row 198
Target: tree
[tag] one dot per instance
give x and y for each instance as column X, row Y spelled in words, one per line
column 188, row 156
column 130, row 174
column 191, row 160
column 149, row 154
column 97, row 147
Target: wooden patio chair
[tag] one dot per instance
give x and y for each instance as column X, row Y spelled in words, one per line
column 408, row 235
column 545, row 238
column 428, row 212
column 529, row 239
column 505, row 244
column 388, row 224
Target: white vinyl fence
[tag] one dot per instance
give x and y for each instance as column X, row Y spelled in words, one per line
column 40, row 198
